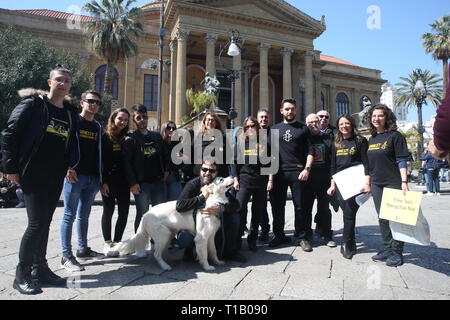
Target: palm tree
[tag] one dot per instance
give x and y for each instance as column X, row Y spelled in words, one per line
column 408, row 95
column 438, row 43
column 113, row 33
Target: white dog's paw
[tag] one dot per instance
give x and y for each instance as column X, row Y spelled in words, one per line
column 209, row 268
column 141, row 254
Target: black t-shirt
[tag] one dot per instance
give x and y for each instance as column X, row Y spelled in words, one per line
column 321, row 145
column 152, row 163
column 89, row 135
column 117, row 167
column 294, row 145
column 350, row 155
column 384, row 150
column 250, row 172
column 50, row 163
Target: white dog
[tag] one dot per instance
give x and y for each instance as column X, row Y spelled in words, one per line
column 163, row 221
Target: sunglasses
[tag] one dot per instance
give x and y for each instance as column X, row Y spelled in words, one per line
column 93, row 101
column 323, row 116
column 171, row 128
column 205, row 170
column 250, row 126
column 139, row 118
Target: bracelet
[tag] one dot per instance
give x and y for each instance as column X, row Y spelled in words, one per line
column 404, row 181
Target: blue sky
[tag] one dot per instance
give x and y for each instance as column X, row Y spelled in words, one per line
column 392, row 45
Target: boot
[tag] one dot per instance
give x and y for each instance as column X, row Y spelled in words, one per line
column 24, row 283
column 44, row 276
column 348, row 249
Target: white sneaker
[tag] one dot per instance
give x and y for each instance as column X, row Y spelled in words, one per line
column 109, row 251
column 429, row 193
column 438, row 193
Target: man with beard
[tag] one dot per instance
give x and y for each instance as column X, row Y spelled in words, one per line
column 194, row 196
column 295, row 164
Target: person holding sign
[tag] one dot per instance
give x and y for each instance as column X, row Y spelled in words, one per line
column 387, row 155
column 348, row 150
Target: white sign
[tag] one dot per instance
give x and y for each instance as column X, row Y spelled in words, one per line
column 350, row 181
column 418, row 234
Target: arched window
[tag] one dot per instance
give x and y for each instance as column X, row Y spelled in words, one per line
column 100, row 81
column 342, row 104
column 364, row 102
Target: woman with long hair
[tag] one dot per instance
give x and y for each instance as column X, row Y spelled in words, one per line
column 173, row 185
column 248, row 180
column 114, row 184
column 387, row 155
column 349, row 149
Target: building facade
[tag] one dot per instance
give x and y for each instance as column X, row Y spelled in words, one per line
column 388, row 95
column 279, row 59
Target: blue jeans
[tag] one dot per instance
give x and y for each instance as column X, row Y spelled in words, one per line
column 433, row 183
column 173, row 188
column 151, row 193
column 78, row 200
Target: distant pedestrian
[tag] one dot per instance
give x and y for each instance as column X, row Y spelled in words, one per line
column 387, row 155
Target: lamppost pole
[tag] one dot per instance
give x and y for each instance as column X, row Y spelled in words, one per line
column 162, row 34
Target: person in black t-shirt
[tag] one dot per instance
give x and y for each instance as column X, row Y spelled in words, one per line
column 114, row 184
column 146, row 164
column 173, row 184
column 39, row 145
column 79, row 194
column 294, row 172
column 349, row 149
column 387, row 154
column 319, row 181
column 248, row 181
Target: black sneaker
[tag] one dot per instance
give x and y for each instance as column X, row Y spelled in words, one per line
column 306, row 246
column 264, row 237
column 27, row 286
column 394, row 260
column 382, row 255
column 71, row 264
column 278, row 241
column 44, row 276
column 88, row 254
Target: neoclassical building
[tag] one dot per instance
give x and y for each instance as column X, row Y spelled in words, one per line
column 278, row 61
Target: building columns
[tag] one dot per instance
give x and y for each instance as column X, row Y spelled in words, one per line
column 173, row 79
column 287, row 72
column 309, row 83
column 356, row 103
column 211, row 40
column 264, row 76
column 180, row 106
column 332, row 102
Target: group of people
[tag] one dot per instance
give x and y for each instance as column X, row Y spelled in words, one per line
column 49, row 148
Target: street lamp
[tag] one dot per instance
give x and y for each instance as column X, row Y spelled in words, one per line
column 234, row 45
column 420, row 94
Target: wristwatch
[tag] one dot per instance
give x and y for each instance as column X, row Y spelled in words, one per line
column 308, row 169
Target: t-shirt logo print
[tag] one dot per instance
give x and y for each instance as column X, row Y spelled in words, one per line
column 288, row 136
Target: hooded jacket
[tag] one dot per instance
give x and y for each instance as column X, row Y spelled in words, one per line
column 26, row 128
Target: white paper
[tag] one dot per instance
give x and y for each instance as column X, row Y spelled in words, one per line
column 350, row 181
column 363, row 198
column 418, row 234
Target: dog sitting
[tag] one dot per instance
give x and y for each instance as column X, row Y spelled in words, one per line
column 163, row 221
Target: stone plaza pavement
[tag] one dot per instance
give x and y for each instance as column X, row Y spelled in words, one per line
column 285, row 273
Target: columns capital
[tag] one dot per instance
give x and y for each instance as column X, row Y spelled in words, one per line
column 309, row 54
column 263, row 46
column 182, row 34
column 173, row 45
column 211, row 38
column 286, row 52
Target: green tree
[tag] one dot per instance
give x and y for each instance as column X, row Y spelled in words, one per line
column 438, row 43
column 113, row 34
column 407, row 95
column 199, row 101
column 25, row 62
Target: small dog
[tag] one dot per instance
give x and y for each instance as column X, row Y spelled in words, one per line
column 163, row 222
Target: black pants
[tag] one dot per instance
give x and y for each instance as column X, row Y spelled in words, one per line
column 259, row 199
column 41, row 202
column 121, row 193
column 349, row 208
column 264, row 217
column 316, row 188
column 389, row 243
column 283, row 180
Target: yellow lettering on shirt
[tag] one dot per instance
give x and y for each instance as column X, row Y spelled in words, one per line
column 58, row 128
column 117, row 147
column 251, row 152
column 88, row 135
column 345, row 152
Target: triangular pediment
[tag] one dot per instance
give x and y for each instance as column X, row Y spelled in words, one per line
column 271, row 10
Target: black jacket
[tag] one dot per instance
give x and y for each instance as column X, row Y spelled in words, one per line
column 112, row 172
column 191, row 198
column 133, row 150
column 26, row 128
